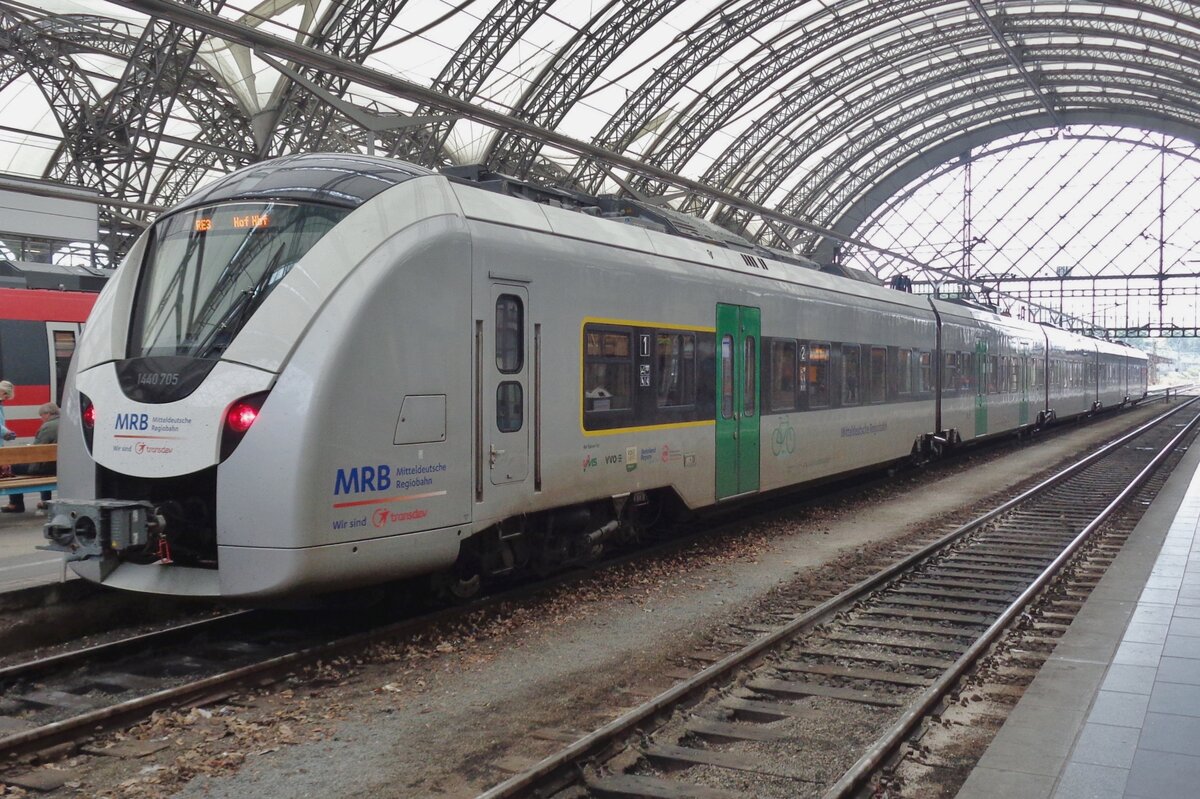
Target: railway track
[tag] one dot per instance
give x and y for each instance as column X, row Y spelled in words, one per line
column 870, row 663
column 51, row 700
column 66, row 697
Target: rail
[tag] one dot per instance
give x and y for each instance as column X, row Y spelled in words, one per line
column 603, row 742
column 1167, row 392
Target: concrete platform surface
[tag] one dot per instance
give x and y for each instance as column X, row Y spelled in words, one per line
column 21, row 565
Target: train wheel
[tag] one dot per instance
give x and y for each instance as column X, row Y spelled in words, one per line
column 454, row 587
column 466, row 589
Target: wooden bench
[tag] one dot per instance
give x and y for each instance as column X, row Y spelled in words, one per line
column 12, row 454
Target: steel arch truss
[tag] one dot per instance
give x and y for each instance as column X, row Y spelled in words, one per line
column 743, row 163
column 571, row 72
column 848, row 167
column 112, row 141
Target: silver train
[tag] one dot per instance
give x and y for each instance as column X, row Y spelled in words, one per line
column 331, row 371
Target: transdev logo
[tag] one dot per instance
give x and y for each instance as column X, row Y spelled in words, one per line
column 383, row 517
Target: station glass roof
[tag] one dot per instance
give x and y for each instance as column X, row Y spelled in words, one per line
column 814, row 114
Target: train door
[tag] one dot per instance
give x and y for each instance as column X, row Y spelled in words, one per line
column 1023, row 386
column 738, row 377
column 981, row 387
column 60, row 340
column 507, row 395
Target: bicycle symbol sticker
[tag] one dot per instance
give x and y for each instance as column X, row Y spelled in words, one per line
column 783, row 440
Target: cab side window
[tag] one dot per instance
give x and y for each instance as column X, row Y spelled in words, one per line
column 510, row 348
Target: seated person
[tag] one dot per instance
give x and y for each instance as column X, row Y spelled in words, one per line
column 46, row 434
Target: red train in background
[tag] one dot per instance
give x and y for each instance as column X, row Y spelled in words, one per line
column 38, row 329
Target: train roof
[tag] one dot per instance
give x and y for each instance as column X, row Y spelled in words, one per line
column 696, row 253
column 344, row 179
column 632, row 210
column 56, row 277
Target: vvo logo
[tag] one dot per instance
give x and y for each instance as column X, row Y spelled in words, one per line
column 357, row 479
column 133, row 421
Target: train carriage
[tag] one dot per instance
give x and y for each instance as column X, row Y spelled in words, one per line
column 38, row 331
column 1071, row 382
column 847, row 381
column 325, row 372
column 1113, row 388
column 986, row 357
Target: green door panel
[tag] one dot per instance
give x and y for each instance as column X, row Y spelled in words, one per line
column 738, row 390
column 748, row 423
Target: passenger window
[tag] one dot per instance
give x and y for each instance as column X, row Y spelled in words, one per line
column 607, row 370
column 510, row 350
column 509, row 406
column 818, row 375
column 64, row 348
column 950, row 372
column 801, row 371
column 748, row 398
column 851, row 355
column 782, row 390
column 878, row 374
column 925, row 372
column 676, row 362
column 726, row 377
column 904, row 372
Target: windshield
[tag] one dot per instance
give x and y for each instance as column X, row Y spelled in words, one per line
column 207, row 269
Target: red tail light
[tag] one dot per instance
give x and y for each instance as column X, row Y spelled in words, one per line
column 241, row 415
column 238, row 420
column 87, row 419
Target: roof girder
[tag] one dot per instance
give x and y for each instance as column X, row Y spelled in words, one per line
column 778, row 159
column 855, row 72
column 1018, row 116
column 570, row 72
column 900, row 176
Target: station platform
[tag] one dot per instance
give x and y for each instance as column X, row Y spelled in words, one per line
column 21, row 564
column 1115, row 711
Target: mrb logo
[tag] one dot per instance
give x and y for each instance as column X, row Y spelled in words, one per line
column 133, row 421
column 357, row 479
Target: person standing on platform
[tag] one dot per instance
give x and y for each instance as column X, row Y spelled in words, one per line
column 46, row 434
column 6, row 393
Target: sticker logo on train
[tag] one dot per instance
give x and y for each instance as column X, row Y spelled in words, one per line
column 383, row 477
column 132, row 421
column 379, row 489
